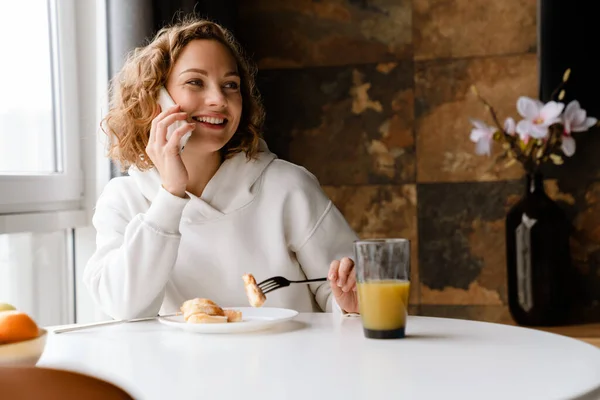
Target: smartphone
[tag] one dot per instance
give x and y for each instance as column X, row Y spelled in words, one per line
column 166, row 102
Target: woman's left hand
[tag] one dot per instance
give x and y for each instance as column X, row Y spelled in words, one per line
column 342, row 278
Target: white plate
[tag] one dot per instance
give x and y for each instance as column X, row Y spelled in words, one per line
column 253, row 319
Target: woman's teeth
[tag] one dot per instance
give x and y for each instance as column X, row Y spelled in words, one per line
column 210, row 120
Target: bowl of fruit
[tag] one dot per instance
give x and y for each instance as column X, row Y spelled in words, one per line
column 22, row 342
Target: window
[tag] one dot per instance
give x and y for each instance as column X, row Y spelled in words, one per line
column 52, row 159
column 39, row 148
column 28, row 145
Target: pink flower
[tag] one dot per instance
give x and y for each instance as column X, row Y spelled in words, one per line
column 538, row 117
column 482, row 135
column 576, row 119
column 509, row 126
column 568, row 145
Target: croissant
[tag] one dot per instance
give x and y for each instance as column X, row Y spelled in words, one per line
column 206, row 311
column 255, row 296
column 201, row 306
column 198, row 300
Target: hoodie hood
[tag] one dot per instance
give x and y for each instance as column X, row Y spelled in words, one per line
column 228, row 190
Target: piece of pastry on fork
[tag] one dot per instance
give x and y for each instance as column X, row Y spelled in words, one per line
column 255, row 296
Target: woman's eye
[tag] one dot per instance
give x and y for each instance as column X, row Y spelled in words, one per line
column 232, row 85
column 195, row 82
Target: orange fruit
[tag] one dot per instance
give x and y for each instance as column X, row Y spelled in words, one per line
column 16, row 326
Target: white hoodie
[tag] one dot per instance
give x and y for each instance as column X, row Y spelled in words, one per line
column 267, row 217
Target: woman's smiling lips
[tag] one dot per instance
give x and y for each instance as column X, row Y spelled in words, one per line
column 212, row 121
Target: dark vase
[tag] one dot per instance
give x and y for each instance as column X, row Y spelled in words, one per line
column 538, row 258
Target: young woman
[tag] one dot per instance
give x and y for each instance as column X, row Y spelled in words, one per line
column 190, row 224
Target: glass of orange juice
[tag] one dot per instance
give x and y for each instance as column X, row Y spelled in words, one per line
column 383, row 282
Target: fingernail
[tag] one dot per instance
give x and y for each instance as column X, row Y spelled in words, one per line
column 339, row 283
column 331, row 277
column 192, row 125
column 344, row 289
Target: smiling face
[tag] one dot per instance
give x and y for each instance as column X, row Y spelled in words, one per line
column 205, row 82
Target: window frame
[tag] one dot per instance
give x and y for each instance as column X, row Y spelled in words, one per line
column 90, row 48
column 34, row 202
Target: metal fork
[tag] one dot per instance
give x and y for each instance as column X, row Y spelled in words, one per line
column 277, row 282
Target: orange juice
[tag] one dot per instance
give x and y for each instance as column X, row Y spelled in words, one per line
column 383, row 307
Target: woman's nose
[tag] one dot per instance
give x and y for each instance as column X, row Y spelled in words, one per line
column 215, row 97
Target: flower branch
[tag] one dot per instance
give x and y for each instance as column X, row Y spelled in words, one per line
column 544, row 134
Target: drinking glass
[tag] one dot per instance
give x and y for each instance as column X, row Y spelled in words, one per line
column 383, row 282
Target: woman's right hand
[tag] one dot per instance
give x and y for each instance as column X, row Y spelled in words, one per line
column 165, row 154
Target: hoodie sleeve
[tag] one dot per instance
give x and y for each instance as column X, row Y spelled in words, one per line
column 320, row 235
column 135, row 253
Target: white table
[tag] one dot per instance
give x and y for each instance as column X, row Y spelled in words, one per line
column 320, row 356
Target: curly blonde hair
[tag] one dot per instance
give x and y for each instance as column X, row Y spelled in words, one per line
column 134, row 91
